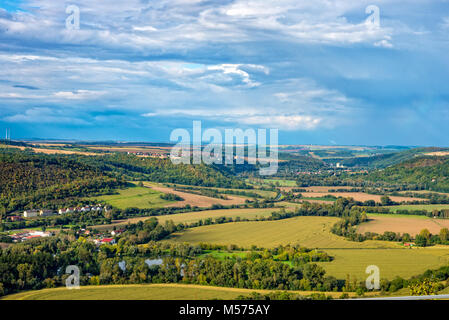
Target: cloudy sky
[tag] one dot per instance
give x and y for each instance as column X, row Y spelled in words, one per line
column 322, row 71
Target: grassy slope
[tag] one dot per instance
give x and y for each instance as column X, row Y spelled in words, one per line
column 143, row 292
column 139, row 197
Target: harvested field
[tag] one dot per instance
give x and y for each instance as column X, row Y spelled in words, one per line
column 412, row 224
column 195, row 199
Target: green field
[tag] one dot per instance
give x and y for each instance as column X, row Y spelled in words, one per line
column 143, row 292
column 311, row 232
column 138, row 197
column 391, row 262
column 428, row 207
column 277, row 182
column 396, row 215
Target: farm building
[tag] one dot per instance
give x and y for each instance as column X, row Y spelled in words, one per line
column 30, row 213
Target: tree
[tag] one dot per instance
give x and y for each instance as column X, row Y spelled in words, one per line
column 424, row 288
column 444, row 235
column 385, row 200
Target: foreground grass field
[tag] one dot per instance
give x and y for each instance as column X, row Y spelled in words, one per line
column 139, row 197
column 391, row 262
column 311, row 232
column 145, row 292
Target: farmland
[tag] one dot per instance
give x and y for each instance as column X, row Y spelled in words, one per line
column 312, row 232
column 403, row 224
column 391, row 262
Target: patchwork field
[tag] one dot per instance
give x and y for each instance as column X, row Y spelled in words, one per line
column 311, row 232
column 403, row 224
column 139, row 197
column 391, row 262
column 195, row 199
column 146, row 292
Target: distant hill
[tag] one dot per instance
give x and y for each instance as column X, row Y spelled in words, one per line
column 36, row 180
column 422, row 172
column 30, row 180
column 389, row 159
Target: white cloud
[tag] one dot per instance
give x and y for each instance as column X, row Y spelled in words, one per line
column 79, row 94
column 45, row 115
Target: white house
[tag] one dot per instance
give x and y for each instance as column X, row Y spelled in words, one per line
column 30, row 213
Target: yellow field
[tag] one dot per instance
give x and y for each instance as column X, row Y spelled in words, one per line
column 311, row 232
column 391, row 262
column 145, row 292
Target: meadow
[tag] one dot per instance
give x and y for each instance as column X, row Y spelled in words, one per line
column 138, row 197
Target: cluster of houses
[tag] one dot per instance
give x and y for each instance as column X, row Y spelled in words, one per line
column 147, row 154
column 108, row 240
column 47, row 213
column 27, row 235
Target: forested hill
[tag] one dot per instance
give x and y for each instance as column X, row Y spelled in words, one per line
column 163, row 170
column 30, row 180
column 389, row 159
column 425, row 172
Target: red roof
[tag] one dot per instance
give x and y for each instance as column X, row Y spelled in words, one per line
column 107, row 239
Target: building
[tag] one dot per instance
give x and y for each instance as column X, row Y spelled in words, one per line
column 23, row 236
column 47, row 213
column 30, row 213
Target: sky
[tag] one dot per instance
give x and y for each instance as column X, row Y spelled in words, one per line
column 322, row 72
